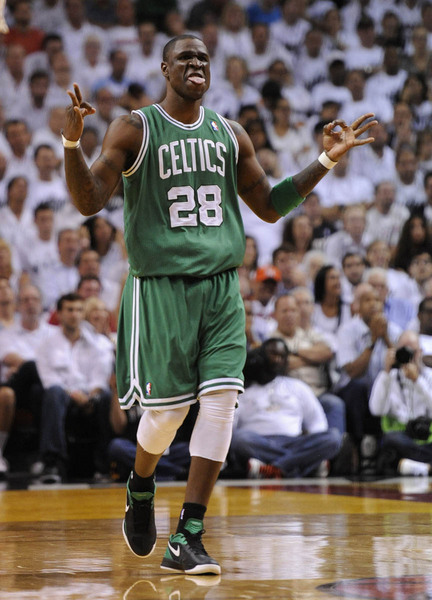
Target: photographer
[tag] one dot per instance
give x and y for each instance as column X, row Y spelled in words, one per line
column 402, row 396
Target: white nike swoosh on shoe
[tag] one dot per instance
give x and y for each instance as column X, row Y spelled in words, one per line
column 173, row 550
column 127, row 507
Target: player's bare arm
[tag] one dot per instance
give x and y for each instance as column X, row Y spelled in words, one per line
column 253, row 186
column 91, row 188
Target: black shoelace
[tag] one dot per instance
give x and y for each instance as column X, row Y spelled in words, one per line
column 195, row 542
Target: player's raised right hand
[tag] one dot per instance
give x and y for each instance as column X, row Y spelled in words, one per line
column 75, row 114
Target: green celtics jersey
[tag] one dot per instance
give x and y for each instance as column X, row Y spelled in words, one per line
column 181, row 209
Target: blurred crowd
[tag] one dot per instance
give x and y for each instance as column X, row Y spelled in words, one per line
column 338, row 294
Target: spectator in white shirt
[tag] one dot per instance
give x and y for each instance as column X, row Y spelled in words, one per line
column 265, row 51
column 144, row 68
column 18, row 348
column 41, row 251
column 398, row 310
column 389, row 80
column 351, row 238
column 280, row 428
column 367, row 56
column 48, row 186
column 13, row 82
column 342, row 188
column 20, row 158
column 62, row 277
column 16, row 219
column 234, row 36
column 378, row 254
column 124, row 35
column 360, row 103
column 310, row 352
column 76, row 28
column 33, row 104
column 385, row 219
column 361, row 351
column 311, row 66
column 334, row 88
column 376, row 161
column 353, row 269
column 51, row 135
column 290, row 31
column 75, row 373
column 330, row 311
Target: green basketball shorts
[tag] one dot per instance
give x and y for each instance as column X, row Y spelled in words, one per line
column 179, row 338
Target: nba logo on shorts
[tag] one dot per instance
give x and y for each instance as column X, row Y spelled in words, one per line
column 148, row 389
column 214, row 125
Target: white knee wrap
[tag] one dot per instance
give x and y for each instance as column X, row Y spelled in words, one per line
column 157, row 428
column 212, row 433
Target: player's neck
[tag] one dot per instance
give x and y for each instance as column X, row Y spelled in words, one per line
column 185, row 111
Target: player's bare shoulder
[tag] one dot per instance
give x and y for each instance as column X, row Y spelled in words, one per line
column 245, row 143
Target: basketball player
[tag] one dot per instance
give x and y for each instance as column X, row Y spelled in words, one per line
column 181, row 333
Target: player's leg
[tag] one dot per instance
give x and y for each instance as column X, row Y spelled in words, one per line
column 220, row 365
column 155, row 433
column 153, row 368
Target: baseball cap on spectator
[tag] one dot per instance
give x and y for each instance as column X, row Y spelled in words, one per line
column 268, row 272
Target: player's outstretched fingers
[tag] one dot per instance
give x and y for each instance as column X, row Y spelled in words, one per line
column 355, row 124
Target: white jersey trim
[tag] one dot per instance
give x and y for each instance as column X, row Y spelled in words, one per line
column 186, row 126
column 231, row 134
column 144, row 145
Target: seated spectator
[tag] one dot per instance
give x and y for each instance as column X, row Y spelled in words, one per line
column 33, row 103
column 402, row 397
column 415, row 238
column 330, row 311
column 250, row 259
column 312, row 262
column 75, row 373
column 47, row 185
column 234, row 91
column 40, row 252
column 16, row 218
column 309, row 353
column 18, row 348
column 397, row 310
column 116, row 81
column 51, row 135
column 321, row 227
column 108, row 242
column 378, row 254
column 280, row 427
column 20, row 161
column 285, row 259
column 409, row 178
column 61, row 277
column 376, row 160
column 22, row 32
column 342, row 188
column 351, row 238
column 385, row 219
column 298, row 233
column 88, row 263
column 264, row 52
column 362, row 344
column 420, row 272
column 97, row 316
column 353, row 269
column 264, row 296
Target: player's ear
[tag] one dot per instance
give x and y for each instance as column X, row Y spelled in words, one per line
column 164, row 69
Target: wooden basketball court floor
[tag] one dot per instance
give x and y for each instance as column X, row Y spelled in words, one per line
column 293, row 539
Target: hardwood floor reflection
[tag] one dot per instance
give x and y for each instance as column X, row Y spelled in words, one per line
column 273, row 541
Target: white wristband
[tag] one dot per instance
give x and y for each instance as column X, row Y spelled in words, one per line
column 326, row 162
column 70, row 143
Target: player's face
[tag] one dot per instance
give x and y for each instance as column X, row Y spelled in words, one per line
column 188, row 68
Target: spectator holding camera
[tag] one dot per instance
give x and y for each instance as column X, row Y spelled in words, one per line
column 402, row 397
